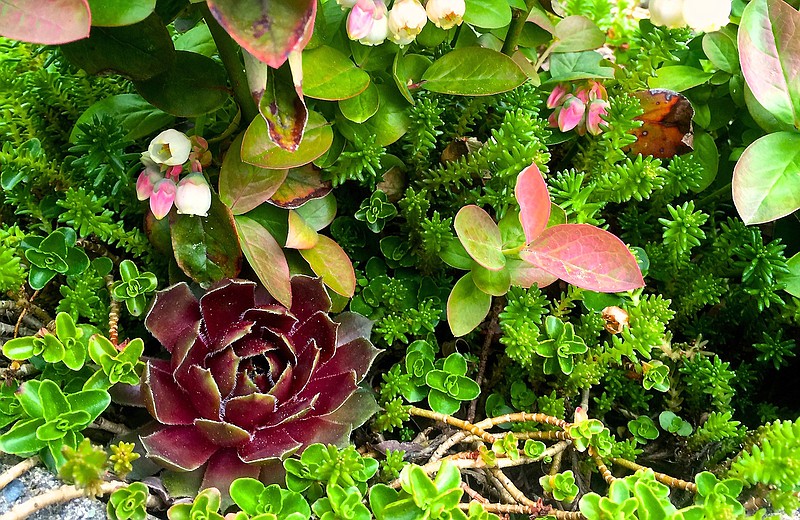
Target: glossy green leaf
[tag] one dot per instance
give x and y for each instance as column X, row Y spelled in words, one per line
column 408, row 69
column 243, row 186
column 480, row 236
column 578, row 33
column 473, row 71
column 389, row 123
column 495, row 283
column 720, row 48
column 259, row 149
column 679, row 78
column 268, row 30
column 265, row 256
column 791, row 279
column 467, row 306
column 113, row 13
column 488, row 14
column 193, row 86
column 319, row 213
column 49, row 22
column 363, row 106
column 766, row 180
column 284, row 109
column 197, row 39
column 329, row 261
column 21, row 438
column 206, row 248
column 573, row 66
column 769, row 51
column 135, row 115
column 301, row 235
column 706, row 153
column 139, row 51
column 330, row 75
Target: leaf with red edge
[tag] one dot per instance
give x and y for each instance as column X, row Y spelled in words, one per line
column 301, row 235
column 259, row 149
column 329, row 261
column 481, row 237
column 223, row 468
column 283, row 107
column 585, row 256
column 243, row 186
column 769, row 51
column 766, row 180
column 534, row 201
column 301, row 185
column 49, row 22
column 181, row 447
column 268, row 30
column 266, row 257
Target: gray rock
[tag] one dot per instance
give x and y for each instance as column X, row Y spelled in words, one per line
column 37, row 481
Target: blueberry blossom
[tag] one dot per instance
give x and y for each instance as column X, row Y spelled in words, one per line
column 705, row 16
column 170, row 147
column 193, row 195
column 368, row 22
column 445, row 14
column 162, row 198
column 406, row 20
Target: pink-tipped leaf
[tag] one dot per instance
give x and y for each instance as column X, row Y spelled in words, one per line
column 481, row 237
column 49, row 22
column 534, row 201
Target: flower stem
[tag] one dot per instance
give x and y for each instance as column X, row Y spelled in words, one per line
column 515, row 29
column 229, row 54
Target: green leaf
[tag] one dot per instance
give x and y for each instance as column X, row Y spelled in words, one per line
column 21, row 438
column 480, row 236
column 245, row 492
column 721, row 50
column 139, row 51
column 330, row 75
column 28, row 396
column 93, row 402
column 573, row 66
column 329, row 261
column 259, row 149
column 766, row 180
column 487, row 14
column 467, row 306
column 443, row 403
column 53, row 401
column 389, row 123
column 578, row 33
column 769, row 51
column 448, row 478
column 791, row 280
column 206, row 248
column 495, row 283
column 473, row 71
column 707, row 154
column 113, row 13
column 268, row 30
column 409, row 69
column 243, row 186
column 363, row 106
column 197, row 39
column 301, row 235
column 678, row 78
column 284, row 109
column 19, row 348
column 265, row 256
column 319, row 213
column 193, row 86
column 135, row 115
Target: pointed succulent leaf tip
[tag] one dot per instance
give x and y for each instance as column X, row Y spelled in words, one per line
column 174, row 313
column 250, row 380
column 534, row 201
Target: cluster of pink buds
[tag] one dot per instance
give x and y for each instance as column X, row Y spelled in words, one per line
column 580, row 108
column 169, row 154
column 370, row 22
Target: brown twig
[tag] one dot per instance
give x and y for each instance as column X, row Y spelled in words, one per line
column 452, row 421
column 538, row 510
column 56, row 496
column 17, row 470
column 113, row 313
column 109, row 426
column 661, row 477
column 491, row 331
column 604, row 471
column 25, row 304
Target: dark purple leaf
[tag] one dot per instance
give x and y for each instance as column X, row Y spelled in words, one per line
column 224, row 467
column 174, row 313
column 248, row 411
column 222, row 308
column 223, row 434
column 159, row 391
column 183, row 448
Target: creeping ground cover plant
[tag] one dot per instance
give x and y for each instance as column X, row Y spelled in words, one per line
column 401, row 259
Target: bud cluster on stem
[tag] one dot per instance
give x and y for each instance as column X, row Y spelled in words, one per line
column 705, row 16
column 370, row 22
column 580, row 108
column 169, row 153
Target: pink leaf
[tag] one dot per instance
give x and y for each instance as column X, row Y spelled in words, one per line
column 329, row 261
column 481, row 237
column 269, row 30
column 50, row 22
column 266, row 257
column 534, row 201
column 585, row 256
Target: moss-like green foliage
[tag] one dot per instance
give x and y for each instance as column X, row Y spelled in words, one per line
column 773, row 457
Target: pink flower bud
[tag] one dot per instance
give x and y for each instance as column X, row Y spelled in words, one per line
column 557, row 96
column 144, row 184
column 170, row 147
column 445, row 13
column 368, row 22
column 193, row 195
column 173, row 172
column 597, row 90
column 406, row 20
column 572, row 110
column 580, row 415
column 597, row 109
column 162, row 198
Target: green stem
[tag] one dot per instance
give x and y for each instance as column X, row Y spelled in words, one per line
column 515, row 29
column 229, row 54
column 717, row 193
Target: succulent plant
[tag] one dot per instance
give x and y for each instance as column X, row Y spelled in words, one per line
column 251, row 381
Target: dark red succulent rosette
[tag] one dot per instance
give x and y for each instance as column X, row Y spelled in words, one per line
column 249, row 380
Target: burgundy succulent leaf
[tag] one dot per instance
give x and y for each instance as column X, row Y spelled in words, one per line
column 249, row 380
